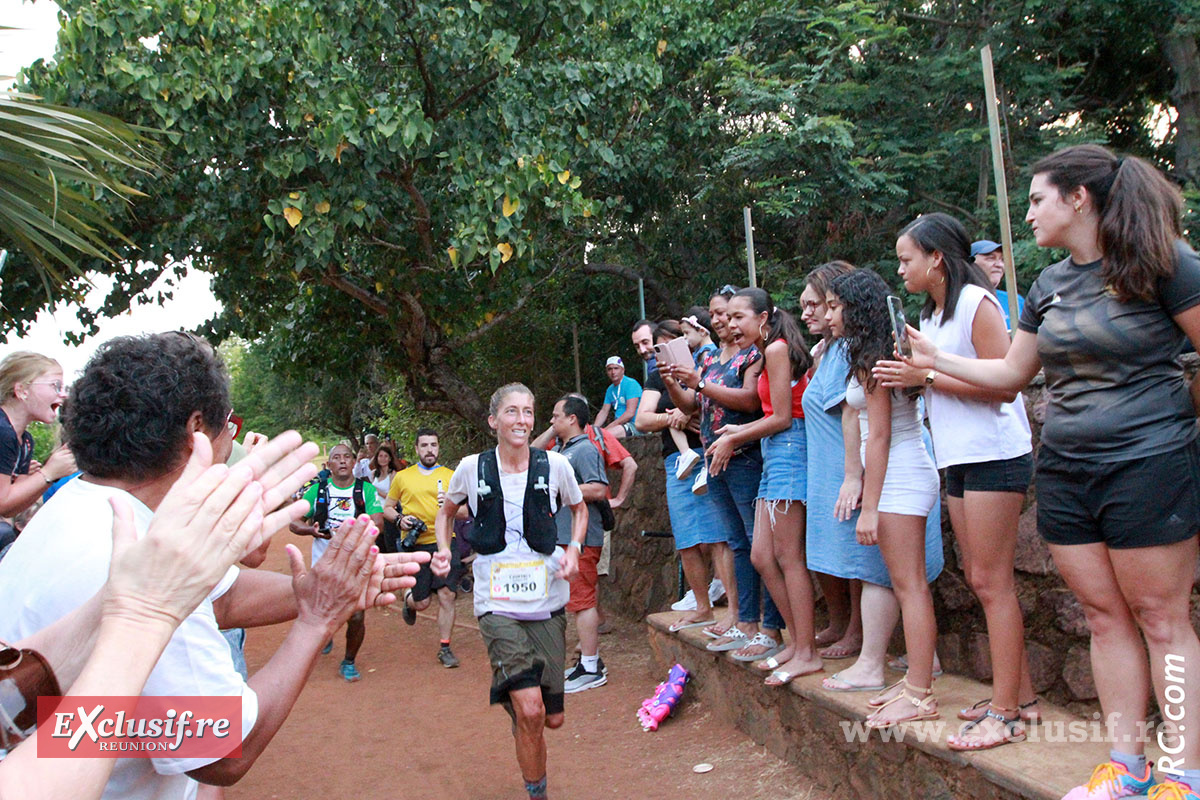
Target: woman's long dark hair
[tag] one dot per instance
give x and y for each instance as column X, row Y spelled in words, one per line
column 780, row 325
column 866, row 324
column 1139, row 210
column 393, row 465
column 944, row 234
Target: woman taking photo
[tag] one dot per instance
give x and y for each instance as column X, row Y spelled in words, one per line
column 725, row 392
column 899, row 489
column 1119, row 466
column 698, row 527
column 981, row 438
column 777, row 551
column 32, row 389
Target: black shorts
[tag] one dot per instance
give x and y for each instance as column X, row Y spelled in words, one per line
column 1006, row 475
column 427, row 582
column 1142, row 502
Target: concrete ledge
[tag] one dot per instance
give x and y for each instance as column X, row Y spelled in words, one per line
column 815, row 729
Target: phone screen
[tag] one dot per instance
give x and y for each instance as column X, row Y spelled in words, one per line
column 3, row 258
column 899, row 325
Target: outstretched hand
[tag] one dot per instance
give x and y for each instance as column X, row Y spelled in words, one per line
column 209, row 519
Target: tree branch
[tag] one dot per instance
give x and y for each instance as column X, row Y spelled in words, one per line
column 475, row 89
column 949, row 23
column 471, row 336
column 950, row 206
column 601, row 267
column 429, row 106
column 360, row 294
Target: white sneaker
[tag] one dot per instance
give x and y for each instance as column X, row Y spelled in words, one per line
column 687, row 602
column 687, row 460
column 716, row 590
column 701, row 484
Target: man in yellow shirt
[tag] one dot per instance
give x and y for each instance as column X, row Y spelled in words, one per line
column 413, row 501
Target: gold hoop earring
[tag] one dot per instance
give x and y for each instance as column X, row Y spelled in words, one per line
column 1079, row 209
column 761, row 334
column 943, row 283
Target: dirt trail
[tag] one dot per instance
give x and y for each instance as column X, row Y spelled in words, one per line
column 411, row 728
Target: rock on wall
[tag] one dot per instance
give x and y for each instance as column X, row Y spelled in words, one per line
column 643, row 579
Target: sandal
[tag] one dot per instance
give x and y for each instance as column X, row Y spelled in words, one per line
column 760, row 640
column 715, row 631
column 1012, row 732
column 782, row 677
column 876, row 703
column 977, row 710
column 847, row 686
column 839, row 650
column 921, row 699
column 734, row 639
column 680, row 624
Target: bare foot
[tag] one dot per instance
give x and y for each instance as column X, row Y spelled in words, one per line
column 829, row 636
column 846, row 647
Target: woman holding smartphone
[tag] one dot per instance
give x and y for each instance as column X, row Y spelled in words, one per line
column 696, row 523
column 777, row 550
column 982, row 440
column 1118, row 473
column 899, row 488
column 725, row 392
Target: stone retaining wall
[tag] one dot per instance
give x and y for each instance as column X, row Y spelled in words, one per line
column 644, row 580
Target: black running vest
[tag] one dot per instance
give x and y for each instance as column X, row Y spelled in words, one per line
column 487, row 535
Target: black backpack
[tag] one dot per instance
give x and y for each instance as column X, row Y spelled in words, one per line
column 320, row 514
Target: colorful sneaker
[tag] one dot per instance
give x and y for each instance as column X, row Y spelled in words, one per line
column 1111, row 780
column 328, row 648
column 1172, row 790
column 448, row 659
column 350, row 672
column 581, row 680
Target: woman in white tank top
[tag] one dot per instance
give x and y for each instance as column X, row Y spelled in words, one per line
column 981, row 438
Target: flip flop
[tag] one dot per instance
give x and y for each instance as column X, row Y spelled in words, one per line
column 774, row 648
column 782, row 677
column 848, row 687
column 712, row 631
column 679, row 625
column 769, row 664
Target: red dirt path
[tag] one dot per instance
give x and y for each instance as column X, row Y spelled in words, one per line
column 412, row 729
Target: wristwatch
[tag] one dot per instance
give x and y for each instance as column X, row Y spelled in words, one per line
column 700, row 386
column 930, row 377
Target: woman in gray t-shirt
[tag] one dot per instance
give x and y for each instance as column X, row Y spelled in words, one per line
column 1119, row 466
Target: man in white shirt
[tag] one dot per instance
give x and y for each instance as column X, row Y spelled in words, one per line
column 521, row 577
column 130, row 420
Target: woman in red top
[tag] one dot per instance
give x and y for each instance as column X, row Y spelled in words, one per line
column 777, row 550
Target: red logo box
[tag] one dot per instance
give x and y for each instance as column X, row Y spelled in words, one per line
column 139, row 727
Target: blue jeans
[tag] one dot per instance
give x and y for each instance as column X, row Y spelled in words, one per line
column 734, row 492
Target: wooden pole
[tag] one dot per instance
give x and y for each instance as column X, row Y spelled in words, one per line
column 642, row 313
column 752, row 273
column 1010, row 274
column 575, row 347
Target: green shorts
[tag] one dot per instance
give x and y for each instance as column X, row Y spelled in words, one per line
column 524, row 654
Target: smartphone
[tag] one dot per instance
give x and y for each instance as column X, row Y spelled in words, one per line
column 675, row 351
column 899, row 325
column 3, row 258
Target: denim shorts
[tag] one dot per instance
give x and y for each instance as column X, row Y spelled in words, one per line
column 1004, row 475
column 785, row 465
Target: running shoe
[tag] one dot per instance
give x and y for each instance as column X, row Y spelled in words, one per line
column 580, row 680
column 448, row 659
column 1172, row 790
column 408, row 612
column 1111, row 780
column 328, row 648
column 716, row 590
column 350, row 672
column 685, row 603
column 567, row 673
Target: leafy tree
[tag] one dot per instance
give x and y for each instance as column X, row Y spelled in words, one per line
column 54, row 161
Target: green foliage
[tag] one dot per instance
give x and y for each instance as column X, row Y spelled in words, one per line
column 54, row 162
column 45, row 439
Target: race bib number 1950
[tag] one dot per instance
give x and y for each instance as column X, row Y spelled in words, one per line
column 523, row 580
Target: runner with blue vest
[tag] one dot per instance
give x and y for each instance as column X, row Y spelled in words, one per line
column 521, row 576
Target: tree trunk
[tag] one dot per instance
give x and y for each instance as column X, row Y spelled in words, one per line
column 1179, row 49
